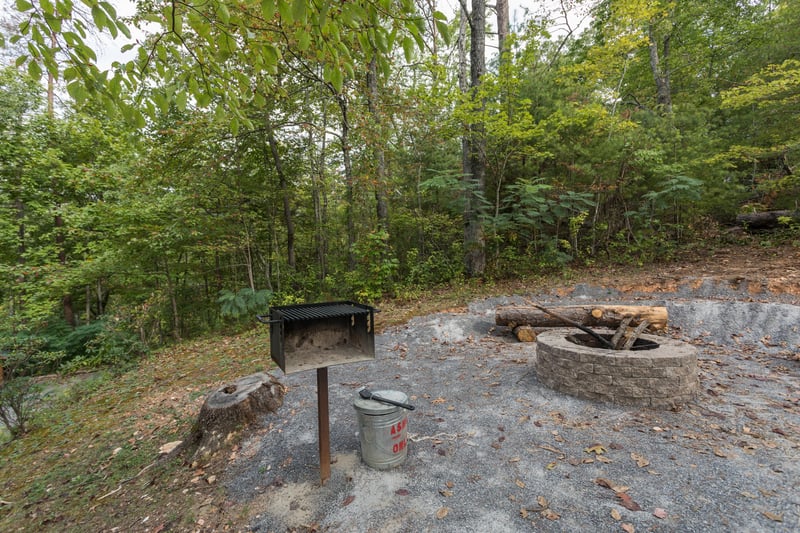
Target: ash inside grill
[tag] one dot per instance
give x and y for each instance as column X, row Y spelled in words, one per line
column 309, row 336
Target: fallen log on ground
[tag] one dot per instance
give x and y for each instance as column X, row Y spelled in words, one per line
column 609, row 316
column 766, row 219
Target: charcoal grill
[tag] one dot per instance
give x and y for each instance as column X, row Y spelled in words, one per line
column 316, row 336
column 309, row 336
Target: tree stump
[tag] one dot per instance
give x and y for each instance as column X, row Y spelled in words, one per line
column 230, row 409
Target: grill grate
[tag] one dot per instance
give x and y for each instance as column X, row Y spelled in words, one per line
column 303, row 312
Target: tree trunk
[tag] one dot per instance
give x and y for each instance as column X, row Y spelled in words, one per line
column 317, row 195
column 341, row 99
column 176, row 321
column 282, row 183
column 66, row 300
column 502, row 26
column 381, row 205
column 660, row 68
column 610, row 316
column 475, row 180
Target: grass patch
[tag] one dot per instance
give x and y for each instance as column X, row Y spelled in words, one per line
column 88, row 461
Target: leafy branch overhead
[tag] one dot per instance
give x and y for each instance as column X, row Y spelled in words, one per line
column 217, row 54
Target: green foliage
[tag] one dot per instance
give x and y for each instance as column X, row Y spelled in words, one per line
column 113, row 345
column 245, row 302
column 376, row 267
column 18, row 400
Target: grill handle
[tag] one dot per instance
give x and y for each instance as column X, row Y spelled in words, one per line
column 264, row 319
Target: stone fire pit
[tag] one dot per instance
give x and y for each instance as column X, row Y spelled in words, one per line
column 659, row 372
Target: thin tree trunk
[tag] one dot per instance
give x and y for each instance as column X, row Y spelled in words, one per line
column 88, row 308
column 287, row 208
column 382, row 209
column 66, row 299
column 660, row 68
column 474, row 238
column 317, row 181
column 501, row 7
column 341, row 99
column 176, row 322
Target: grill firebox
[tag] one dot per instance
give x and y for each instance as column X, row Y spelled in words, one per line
column 309, row 336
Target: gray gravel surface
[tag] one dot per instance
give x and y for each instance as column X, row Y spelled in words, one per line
column 491, row 449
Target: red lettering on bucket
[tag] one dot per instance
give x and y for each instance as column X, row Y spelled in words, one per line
column 399, row 446
column 397, row 429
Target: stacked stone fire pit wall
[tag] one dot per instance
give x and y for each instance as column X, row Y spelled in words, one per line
column 661, row 377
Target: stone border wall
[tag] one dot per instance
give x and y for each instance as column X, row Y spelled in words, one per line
column 663, row 377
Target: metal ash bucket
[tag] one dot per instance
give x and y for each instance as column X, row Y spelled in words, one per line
column 382, row 429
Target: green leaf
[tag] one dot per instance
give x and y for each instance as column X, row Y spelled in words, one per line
column 34, row 70
column 303, row 39
column 99, row 17
column 286, row 11
column 268, row 9
column 299, row 11
column 23, row 6
column 408, row 48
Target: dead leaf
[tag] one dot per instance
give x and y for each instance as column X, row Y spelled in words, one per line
column 628, row 528
column 347, row 501
column 446, row 493
column 641, row 462
column 773, row 516
column 615, row 515
column 402, row 492
column 514, row 459
column 660, row 513
column 438, row 401
column 597, row 449
column 552, row 465
column 449, row 484
column 627, row 502
column 441, row 513
column 520, row 484
column 719, row 453
column 550, row 449
column 542, row 501
column 611, row 485
column 604, row 459
column 523, row 513
column 550, row 514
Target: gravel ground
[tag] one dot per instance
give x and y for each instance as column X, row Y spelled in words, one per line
column 491, row 449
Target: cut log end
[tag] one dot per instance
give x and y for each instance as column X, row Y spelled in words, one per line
column 524, row 333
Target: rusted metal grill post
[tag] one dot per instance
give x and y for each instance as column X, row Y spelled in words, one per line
column 316, row 336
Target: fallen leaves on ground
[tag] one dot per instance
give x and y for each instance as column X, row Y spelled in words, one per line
column 611, row 485
column 660, row 513
column 773, row 516
column 641, row 462
column 347, row 501
column 442, row 512
column 597, row 449
column 627, row 502
column 628, row 528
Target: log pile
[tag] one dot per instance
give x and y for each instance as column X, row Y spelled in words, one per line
column 629, row 321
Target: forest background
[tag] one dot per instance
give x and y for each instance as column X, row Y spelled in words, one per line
column 249, row 154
